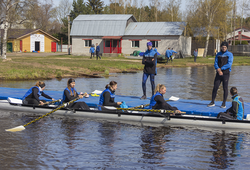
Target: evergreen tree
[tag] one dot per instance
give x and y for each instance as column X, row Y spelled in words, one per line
column 79, row 7
column 96, row 5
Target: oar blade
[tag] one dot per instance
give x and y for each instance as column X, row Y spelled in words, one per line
column 174, row 98
column 16, row 129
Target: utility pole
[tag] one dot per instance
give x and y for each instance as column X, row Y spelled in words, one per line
column 241, row 23
column 68, row 34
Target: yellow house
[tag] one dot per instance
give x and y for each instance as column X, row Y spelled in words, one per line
column 26, row 40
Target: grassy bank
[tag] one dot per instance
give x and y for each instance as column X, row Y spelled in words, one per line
column 59, row 66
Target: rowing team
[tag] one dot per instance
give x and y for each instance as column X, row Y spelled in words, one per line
column 107, row 98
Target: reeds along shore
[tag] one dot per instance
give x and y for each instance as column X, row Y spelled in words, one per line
column 61, row 66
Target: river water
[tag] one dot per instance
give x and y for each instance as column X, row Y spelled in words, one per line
column 63, row 143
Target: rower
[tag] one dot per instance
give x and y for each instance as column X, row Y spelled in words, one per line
column 33, row 94
column 107, row 98
column 236, row 111
column 157, row 101
column 70, row 93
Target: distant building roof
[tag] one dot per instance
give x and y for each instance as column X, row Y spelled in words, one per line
column 155, row 28
column 100, row 25
column 20, row 33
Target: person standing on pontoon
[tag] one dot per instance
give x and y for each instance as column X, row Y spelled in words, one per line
column 33, row 94
column 149, row 60
column 222, row 64
column 107, row 98
column 236, row 111
column 157, row 101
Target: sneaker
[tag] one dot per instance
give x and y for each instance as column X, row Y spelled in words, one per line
column 211, row 104
column 143, row 97
column 223, row 105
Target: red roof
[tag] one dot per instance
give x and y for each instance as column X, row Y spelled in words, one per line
column 112, row 37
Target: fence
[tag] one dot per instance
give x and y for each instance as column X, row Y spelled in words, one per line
column 241, row 50
column 63, row 48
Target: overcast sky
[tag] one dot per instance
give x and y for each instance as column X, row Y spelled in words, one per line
column 183, row 4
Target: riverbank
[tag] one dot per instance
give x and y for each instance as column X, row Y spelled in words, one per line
column 20, row 67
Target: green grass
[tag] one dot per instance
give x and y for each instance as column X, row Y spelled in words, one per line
column 29, row 67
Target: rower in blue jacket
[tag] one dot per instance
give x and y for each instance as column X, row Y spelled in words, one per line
column 149, row 60
column 33, row 94
column 157, row 101
column 222, row 64
column 107, row 98
column 236, row 111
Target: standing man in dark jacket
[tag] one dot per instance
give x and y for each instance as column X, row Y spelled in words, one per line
column 97, row 51
column 222, row 64
column 149, row 60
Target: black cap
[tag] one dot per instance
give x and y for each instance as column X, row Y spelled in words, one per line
column 224, row 44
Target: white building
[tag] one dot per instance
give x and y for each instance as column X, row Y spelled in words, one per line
column 123, row 34
column 240, row 34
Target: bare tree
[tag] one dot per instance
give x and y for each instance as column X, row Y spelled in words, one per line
column 63, row 9
column 11, row 13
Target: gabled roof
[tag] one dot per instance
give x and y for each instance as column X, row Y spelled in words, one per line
column 35, row 31
column 155, row 28
column 100, row 25
column 15, row 33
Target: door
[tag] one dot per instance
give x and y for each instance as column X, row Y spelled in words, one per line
column 9, row 47
column 21, row 45
column 53, row 46
column 37, row 46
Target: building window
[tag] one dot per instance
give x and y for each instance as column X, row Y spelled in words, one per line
column 88, row 43
column 154, row 44
column 136, row 44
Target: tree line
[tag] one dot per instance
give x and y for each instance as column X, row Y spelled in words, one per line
column 204, row 18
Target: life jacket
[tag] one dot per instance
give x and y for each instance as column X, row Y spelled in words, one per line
column 112, row 95
column 72, row 89
column 240, row 111
column 152, row 101
column 30, row 91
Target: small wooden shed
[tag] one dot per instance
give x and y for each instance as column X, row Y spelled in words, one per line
column 21, row 40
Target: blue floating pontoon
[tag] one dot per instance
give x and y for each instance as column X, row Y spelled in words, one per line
column 191, row 107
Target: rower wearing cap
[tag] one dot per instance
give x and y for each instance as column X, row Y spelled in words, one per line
column 70, row 93
column 33, row 94
column 149, row 60
column 157, row 101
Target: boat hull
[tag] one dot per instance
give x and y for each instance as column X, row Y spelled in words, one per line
column 135, row 116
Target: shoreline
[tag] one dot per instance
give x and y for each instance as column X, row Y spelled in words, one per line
column 64, row 66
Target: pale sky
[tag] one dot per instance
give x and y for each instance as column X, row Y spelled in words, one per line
column 183, row 3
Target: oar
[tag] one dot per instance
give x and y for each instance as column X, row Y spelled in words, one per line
column 150, row 110
column 50, row 102
column 22, row 127
column 172, row 98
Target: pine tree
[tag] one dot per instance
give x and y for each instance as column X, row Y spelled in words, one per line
column 96, row 5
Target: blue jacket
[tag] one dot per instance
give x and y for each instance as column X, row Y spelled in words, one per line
column 92, row 49
column 152, row 101
column 30, row 91
column 172, row 51
column 223, row 61
column 195, row 53
column 240, row 111
column 168, row 53
column 72, row 90
column 98, row 48
column 112, row 95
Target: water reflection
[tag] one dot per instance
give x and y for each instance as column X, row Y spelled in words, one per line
column 226, row 146
column 154, row 144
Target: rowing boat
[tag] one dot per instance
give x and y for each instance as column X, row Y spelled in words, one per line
column 129, row 116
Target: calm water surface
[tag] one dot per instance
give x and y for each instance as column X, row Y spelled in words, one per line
column 60, row 143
